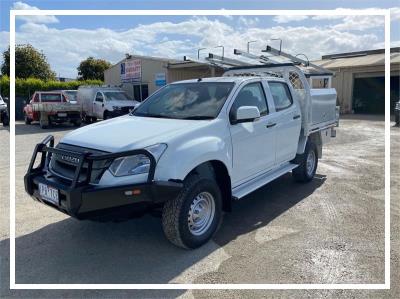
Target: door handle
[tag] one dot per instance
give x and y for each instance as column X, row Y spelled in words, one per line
column 296, row 116
column 271, row 125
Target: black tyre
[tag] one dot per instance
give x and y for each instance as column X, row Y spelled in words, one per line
column 43, row 124
column 106, row 115
column 28, row 121
column 191, row 219
column 308, row 163
column 77, row 123
column 6, row 120
column 87, row 119
column 397, row 118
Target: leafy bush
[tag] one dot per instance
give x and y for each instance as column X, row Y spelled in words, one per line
column 26, row 87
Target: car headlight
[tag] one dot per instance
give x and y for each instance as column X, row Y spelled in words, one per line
column 136, row 164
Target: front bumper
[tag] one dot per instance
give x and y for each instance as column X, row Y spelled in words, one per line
column 82, row 200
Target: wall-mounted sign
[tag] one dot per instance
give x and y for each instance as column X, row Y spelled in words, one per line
column 160, row 79
column 131, row 71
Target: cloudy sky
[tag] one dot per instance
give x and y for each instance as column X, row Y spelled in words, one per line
column 66, row 40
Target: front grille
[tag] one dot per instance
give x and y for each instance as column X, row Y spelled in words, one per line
column 64, row 166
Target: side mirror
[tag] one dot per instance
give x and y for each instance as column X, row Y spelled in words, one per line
column 246, row 114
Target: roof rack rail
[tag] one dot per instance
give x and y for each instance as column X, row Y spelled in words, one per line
column 304, row 63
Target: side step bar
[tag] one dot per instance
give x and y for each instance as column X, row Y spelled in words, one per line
column 261, row 180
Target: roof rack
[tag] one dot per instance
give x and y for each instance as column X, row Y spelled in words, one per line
column 255, row 63
column 318, row 70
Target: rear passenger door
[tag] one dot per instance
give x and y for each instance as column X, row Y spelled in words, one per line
column 288, row 121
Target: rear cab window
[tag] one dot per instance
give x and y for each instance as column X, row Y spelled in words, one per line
column 281, row 95
column 51, row 97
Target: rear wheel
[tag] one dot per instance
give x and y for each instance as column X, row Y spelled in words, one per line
column 28, row 121
column 308, row 163
column 191, row 219
column 77, row 123
column 44, row 123
column 87, row 119
column 6, row 120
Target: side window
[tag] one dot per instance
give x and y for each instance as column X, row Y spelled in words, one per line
column 99, row 97
column 281, row 95
column 251, row 95
column 36, row 98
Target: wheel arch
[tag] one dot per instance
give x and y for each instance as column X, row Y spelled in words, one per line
column 314, row 138
column 217, row 170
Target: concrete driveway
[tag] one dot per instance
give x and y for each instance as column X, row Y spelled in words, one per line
column 328, row 231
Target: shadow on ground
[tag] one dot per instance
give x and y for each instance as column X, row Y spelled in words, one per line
column 70, row 251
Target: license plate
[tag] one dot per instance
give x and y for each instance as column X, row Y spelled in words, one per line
column 62, row 114
column 48, row 193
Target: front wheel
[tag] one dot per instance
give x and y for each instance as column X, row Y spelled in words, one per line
column 191, row 219
column 308, row 162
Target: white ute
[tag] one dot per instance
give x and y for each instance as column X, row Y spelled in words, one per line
column 189, row 149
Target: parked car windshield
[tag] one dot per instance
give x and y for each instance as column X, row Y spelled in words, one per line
column 116, row 96
column 200, row 100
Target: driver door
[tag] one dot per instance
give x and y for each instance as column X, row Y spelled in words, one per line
column 253, row 142
column 98, row 105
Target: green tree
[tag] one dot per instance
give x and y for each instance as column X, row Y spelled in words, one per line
column 29, row 63
column 92, row 69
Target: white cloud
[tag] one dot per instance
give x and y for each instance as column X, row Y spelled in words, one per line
column 354, row 22
column 248, row 21
column 395, row 14
column 65, row 48
column 289, row 18
column 33, row 19
column 360, row 23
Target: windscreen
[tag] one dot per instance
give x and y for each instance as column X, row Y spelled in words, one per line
column 51, row 97
column 200, row 100
column 116, row 96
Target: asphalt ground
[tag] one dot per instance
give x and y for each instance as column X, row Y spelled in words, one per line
column 330, row 230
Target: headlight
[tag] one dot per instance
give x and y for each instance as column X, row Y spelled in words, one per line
column 136, row 164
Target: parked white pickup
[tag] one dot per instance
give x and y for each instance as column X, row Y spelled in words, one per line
column 193, row 146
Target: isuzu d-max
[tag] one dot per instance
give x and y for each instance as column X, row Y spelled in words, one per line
column 188, row 150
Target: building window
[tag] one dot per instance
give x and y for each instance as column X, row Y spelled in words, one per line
column 140, row 92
